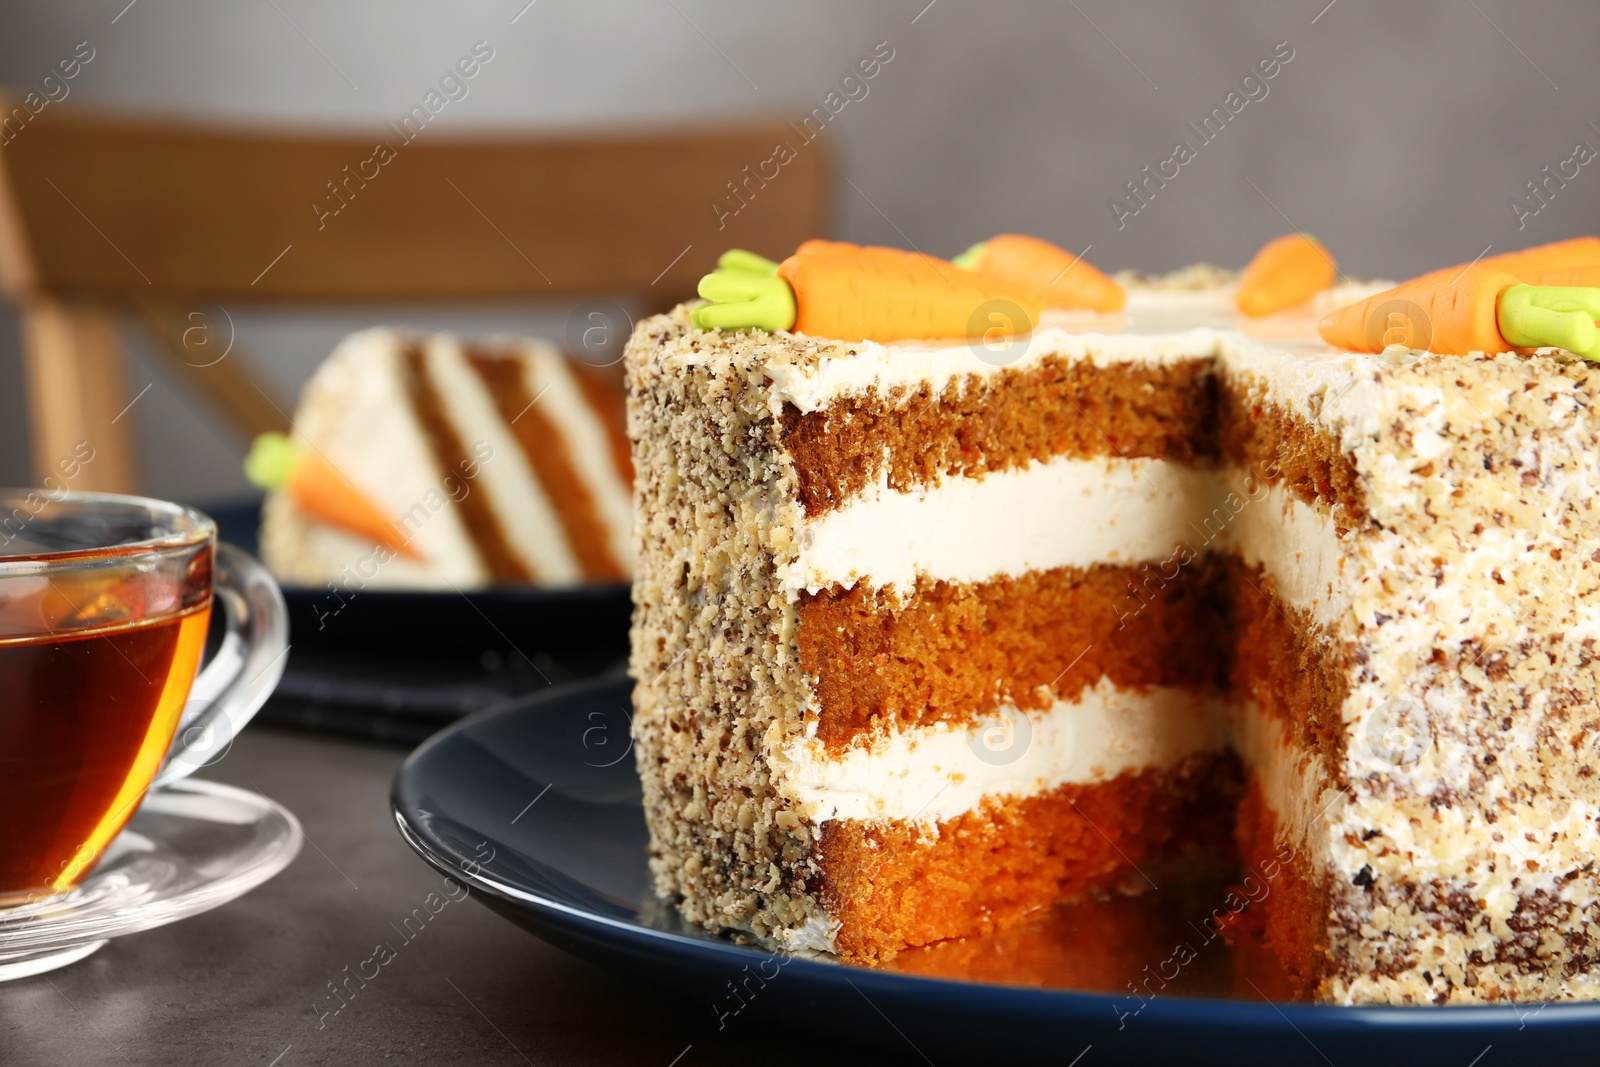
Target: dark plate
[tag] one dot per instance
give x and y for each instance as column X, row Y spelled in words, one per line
column 559, row 622
column 537, row 806
column 401, row 664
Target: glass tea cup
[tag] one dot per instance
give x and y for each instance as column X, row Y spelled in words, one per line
column 105, row 604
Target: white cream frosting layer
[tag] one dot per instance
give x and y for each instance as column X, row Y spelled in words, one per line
column 1075, row 513
column 1295, row 542
column 933, row 773
column 1064, row 513
column 1294, row 783
column 936, row 772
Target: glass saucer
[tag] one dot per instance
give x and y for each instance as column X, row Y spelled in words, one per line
column 191, row 846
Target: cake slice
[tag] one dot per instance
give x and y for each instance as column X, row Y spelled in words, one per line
column 927, row 640
column 893, row 686
column 491, row 461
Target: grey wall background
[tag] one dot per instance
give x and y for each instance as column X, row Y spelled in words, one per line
column 1397, row 133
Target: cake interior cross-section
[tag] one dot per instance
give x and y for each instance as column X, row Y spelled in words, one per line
column 932, row 635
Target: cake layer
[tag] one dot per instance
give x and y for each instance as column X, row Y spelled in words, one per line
column 1297, row 905
column 936, row 772
column 1284, row 663
column 954, row 651
column 921, row 638
column 892, row 884
column 918, row 433
column 1259, row 435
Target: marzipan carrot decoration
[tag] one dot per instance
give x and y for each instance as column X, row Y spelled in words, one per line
column 854, row 293
column 1587, row 275
column 1288, row 271
column 1481, row 309
column 1061, row 279
column 1527, row 263
column 1560, row 255
column 321, row 491
column 746, row 294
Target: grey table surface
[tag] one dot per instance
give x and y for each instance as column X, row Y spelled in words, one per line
column 247, row 983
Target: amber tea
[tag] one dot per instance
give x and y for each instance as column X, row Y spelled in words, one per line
column 85, row 719
column 105, row 602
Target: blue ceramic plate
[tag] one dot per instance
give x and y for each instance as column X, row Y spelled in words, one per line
column 536, row 805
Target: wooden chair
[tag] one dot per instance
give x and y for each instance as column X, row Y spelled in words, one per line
column 104, row 217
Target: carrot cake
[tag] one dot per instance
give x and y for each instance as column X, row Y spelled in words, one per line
column 932, row 634
column 429, row 462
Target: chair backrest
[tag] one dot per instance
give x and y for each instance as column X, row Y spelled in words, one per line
column 104, row 215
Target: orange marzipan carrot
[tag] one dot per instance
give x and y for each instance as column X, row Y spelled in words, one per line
column 1061, row 279
column 323, row 493
column 1287, row 271
column 855, row 293
column 1587, row 275
column 1435, row 312
column 1558, row 255
column 1528, row 263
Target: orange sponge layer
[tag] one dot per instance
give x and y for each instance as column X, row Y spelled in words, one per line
column 893, row 885
column 1297, row 906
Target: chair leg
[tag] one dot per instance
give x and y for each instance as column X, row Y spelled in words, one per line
column 217, row 368
column 78, row 398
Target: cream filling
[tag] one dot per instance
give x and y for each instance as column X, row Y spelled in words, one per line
column 1075, row 513
column 928, row 774
column 552, row 382
column 1294, row 542
column 527, row 518
column 1064, row 513
column 1294, row 783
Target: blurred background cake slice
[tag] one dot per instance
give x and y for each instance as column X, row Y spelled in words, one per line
column 427, row 461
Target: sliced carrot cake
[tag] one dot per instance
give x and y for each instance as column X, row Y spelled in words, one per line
column 430, row 462
column 937, row 626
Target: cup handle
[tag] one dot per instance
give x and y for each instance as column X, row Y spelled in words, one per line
column 244, row 672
